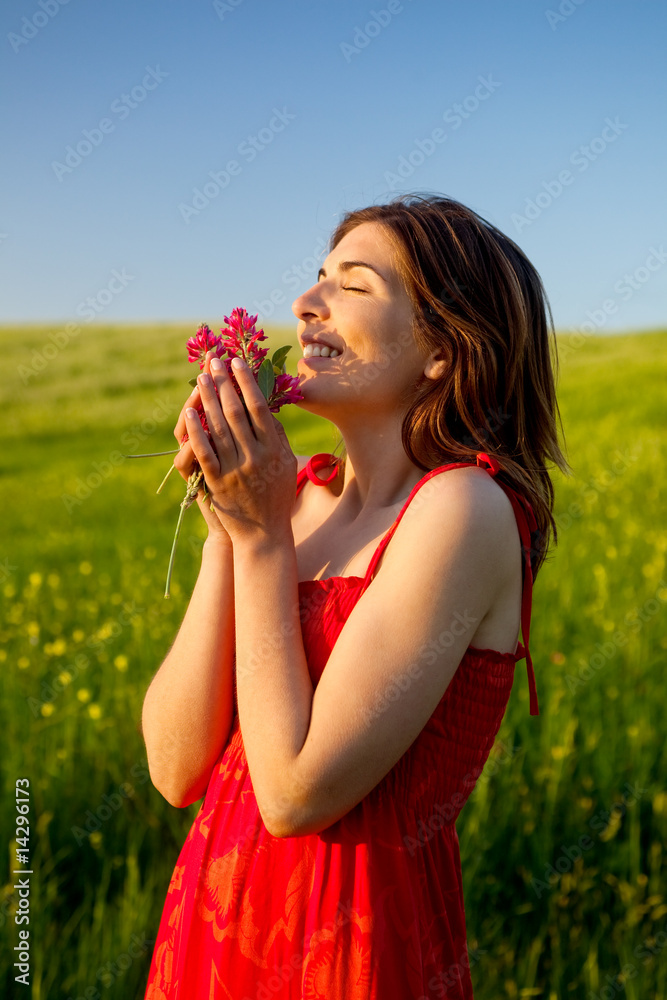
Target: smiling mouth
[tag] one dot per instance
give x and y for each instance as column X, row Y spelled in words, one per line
column 320, row 351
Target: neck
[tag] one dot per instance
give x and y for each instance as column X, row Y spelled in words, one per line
column 378, row 473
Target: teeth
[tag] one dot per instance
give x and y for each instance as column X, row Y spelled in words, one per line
column 320, row 351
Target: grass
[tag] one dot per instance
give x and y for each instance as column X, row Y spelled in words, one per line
column 562, row 841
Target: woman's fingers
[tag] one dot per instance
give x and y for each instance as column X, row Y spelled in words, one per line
column 192, row 400
column 221, row 435
column 185, row 460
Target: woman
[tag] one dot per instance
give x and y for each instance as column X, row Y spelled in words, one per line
column 324, row 860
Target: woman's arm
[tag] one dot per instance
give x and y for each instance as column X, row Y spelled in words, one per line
column 314, row 754
column 188, row 708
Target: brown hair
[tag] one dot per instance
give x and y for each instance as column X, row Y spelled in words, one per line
column 480, row 302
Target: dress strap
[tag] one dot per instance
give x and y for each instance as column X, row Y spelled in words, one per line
column 526, row 524
column 313, row 465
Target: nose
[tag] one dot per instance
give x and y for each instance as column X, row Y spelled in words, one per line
column 311, row 305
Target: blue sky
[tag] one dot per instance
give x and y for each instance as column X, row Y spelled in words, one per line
column 317, row 105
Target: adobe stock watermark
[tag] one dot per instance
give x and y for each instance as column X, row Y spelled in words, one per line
column 597, row 485
column 50, row 690
column 429, row 653
column 111, row 803
column 599, row 823
column 249, row 149
column 581, row 158
column 606, row 651
column 453, row 116
column 31, row 26
column 122, row 108
column 615, row 985
column 446, row 812
column 377, row 22
column 89, row 308
column 223, row 7
column 625, row 288
column 290, row 278
column 108, row 973
column 452, row 976
column 565, row 10
column 102, row 471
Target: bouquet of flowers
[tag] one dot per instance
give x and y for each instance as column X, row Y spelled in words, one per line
column 239, row 338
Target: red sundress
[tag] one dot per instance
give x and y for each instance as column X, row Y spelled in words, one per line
column 372, row 907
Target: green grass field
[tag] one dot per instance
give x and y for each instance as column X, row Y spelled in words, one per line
column 562, row 840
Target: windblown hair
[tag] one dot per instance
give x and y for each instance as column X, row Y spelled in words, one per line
column 481, row 304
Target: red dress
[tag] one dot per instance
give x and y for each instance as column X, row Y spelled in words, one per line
column 372, row 907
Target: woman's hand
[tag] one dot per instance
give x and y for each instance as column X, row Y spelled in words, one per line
column 185, row 462
column 250, row 469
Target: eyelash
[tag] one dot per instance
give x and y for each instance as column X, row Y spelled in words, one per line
column 349, row 288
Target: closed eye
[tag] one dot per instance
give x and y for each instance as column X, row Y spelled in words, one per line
column 349, row 288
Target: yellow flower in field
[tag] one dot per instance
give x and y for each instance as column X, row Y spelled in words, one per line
column 3, row 654
column 660, row 803
column 85, row 568
column 559, row 752
column 121, row 662
column 58, row 647
column 22, row 662
column 64, row 677
column 32, row 628
column 94, row 711
column 60, row 604
column 612, row 511
column 612, row 692
column 662, row 594
column 53, row 580
column 83, row 694
column 557, row 657
column 9, row 590
column 35, row 579
column 116, row 598
column 632, row 731
column 61, row 754
column 78, row 635
column 150, row 552
column 47, row 708
column 611, row 552
column 95, row 839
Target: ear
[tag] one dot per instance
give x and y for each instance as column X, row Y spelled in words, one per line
column 435, row 366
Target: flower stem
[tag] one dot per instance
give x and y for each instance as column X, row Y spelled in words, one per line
column 194, row 483
column 153, row 454
column 171, row 469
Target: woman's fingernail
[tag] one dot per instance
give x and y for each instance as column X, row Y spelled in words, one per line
column 238, row 363
column 204, row 379
column 191, row 412
column 216, row 364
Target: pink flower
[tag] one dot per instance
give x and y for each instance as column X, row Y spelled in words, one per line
column 204, row 341
column 285, row 390
column 243, row 337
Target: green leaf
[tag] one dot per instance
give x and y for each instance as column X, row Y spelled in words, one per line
column 192, row 381
column 278, row 359
column 265, row 378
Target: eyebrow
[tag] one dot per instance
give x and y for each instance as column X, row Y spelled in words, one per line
column 347, row 265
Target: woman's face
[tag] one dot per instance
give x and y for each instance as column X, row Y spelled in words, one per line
column 359, row 307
